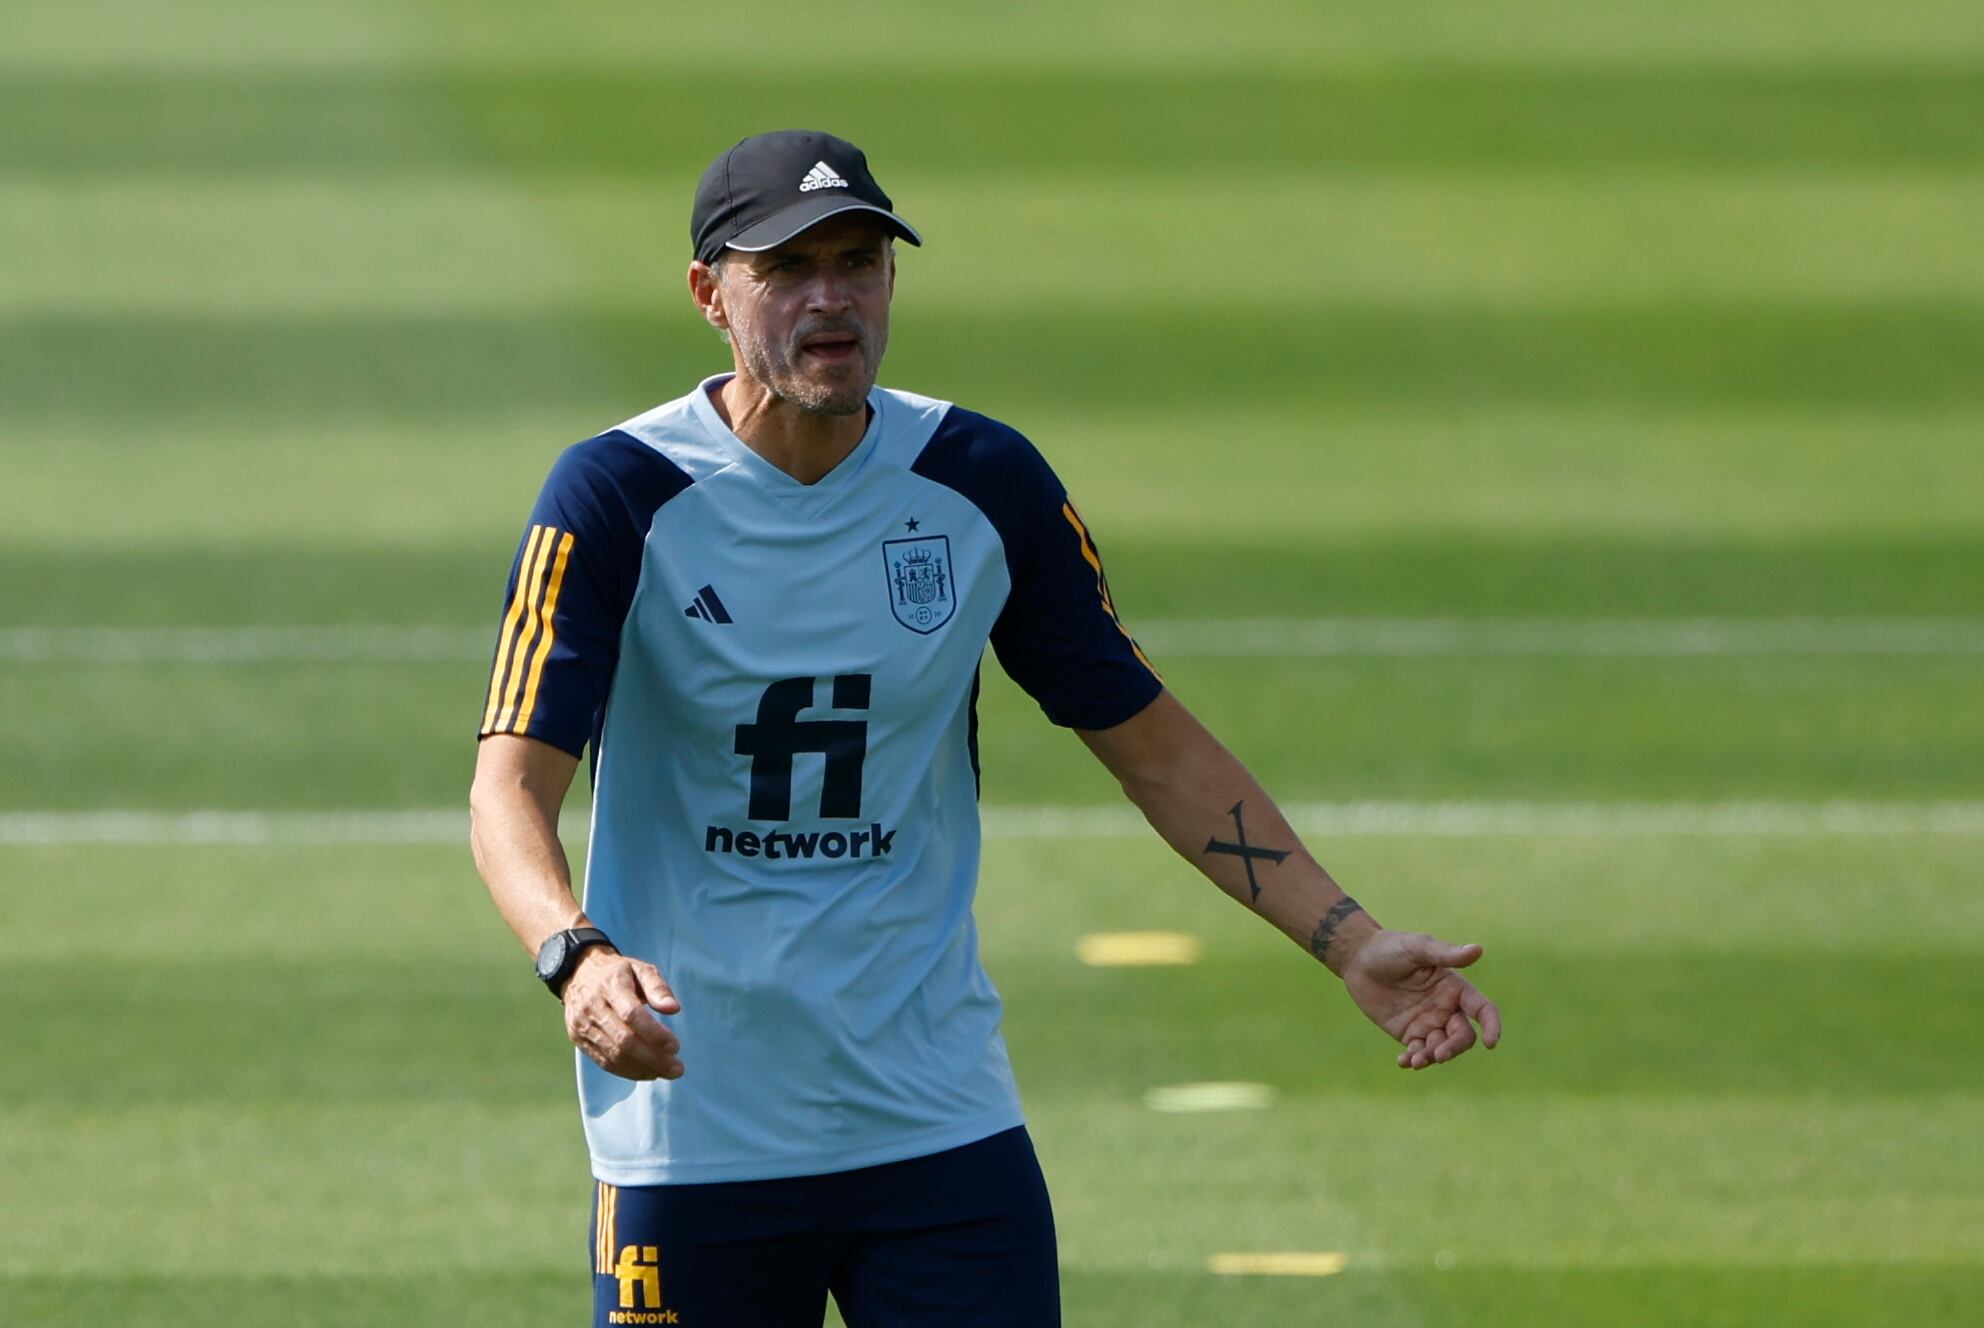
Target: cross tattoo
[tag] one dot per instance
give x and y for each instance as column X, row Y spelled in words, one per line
column 1244, row 851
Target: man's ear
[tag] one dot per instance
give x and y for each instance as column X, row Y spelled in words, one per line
column 706, row 289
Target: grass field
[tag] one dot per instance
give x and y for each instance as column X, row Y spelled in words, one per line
column 1454, row 326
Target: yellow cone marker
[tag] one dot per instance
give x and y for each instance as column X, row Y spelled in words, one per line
column 1134, row 949
column 1323, row 1263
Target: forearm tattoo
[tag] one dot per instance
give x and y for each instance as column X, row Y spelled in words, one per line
column 1248, row 854
column 1319, row 944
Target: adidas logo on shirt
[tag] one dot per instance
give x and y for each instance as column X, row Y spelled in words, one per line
column 707, row 607
column 822, row 176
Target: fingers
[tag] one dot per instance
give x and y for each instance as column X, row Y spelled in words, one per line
column 634, row 1045
column 1434, row 951
column 654, row 990
column 1438, row 1045
column 1445, row 1027
column 1457, row 1037
column 607, row 1016
column 647, row 1041
column 1482, row 1010
column 1420, row 1037
column 1406, row 983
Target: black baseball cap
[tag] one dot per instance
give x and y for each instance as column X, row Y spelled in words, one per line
column 770, row 187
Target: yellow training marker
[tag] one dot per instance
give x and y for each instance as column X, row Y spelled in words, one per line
column 1181, row 1099
column 1326, row 1263
column 1137, row 949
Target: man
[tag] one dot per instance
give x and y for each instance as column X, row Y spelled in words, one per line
column 764, row 605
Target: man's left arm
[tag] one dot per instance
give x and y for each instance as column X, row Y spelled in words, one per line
column 1206, row 805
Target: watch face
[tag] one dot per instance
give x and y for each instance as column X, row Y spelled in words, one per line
column 551, row 956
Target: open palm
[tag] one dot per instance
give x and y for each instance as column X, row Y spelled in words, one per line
column 1406, row 984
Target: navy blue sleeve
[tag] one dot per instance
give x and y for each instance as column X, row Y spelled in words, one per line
column 570, row 588
column 1059, row 635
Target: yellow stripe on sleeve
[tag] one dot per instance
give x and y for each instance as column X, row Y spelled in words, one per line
column 544, row 641
column 1094, row 559
column 513, row 685
column 1092, row 556
column 511, row 620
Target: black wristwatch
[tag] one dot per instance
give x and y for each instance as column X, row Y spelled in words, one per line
column 559, row 955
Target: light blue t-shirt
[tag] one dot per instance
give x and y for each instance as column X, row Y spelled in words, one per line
column 779, row 683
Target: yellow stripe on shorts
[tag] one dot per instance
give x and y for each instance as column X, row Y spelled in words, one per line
column 607, row 1207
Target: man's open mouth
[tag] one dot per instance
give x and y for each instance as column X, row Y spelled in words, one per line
column 832, row 345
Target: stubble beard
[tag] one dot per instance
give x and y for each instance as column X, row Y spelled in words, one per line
column 785, row 377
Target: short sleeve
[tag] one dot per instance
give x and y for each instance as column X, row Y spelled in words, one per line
column 1059, row 635
column 570, row 588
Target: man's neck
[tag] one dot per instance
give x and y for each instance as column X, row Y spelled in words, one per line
column 804, row 445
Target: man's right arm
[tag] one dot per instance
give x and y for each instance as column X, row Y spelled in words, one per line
column 520, row 784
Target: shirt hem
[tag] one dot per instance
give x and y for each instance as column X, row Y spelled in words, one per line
column 954, row 1135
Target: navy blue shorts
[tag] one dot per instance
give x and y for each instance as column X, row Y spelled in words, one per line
column 962, row 1237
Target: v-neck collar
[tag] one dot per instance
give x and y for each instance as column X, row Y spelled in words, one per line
column 775, row 481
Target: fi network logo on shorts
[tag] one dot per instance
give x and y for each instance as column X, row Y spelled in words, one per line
column 639, row 1274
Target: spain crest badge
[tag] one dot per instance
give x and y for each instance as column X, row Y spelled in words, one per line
column 922, row 594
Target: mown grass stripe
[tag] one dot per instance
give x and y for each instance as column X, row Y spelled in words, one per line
column 1682, row 1027
column 340, row 243
column 935, row 118
column 1817, row 1291
column 1061, row 821
column 1261, row 35
column 159, row 371
column 304, row 569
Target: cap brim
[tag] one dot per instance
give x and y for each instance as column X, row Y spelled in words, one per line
column 776, row 229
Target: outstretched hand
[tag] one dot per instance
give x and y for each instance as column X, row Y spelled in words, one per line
column 1406, row 984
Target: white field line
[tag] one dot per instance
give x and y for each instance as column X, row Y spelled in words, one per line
column 1406, row 637
column 356, row 644
column 1176, row 638
column 1418, row 819
column 1568, row 819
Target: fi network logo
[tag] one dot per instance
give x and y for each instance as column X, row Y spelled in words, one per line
column 779, row 734
column 773, row 740
column 639, row 1275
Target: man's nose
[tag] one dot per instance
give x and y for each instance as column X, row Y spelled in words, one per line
column 829, row 293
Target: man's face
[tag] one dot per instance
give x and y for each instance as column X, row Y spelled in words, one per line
column 810, row 319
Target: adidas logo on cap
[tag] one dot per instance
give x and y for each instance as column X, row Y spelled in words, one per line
column 822, row 176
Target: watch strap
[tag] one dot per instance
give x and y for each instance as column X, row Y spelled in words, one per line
column 561, row 952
